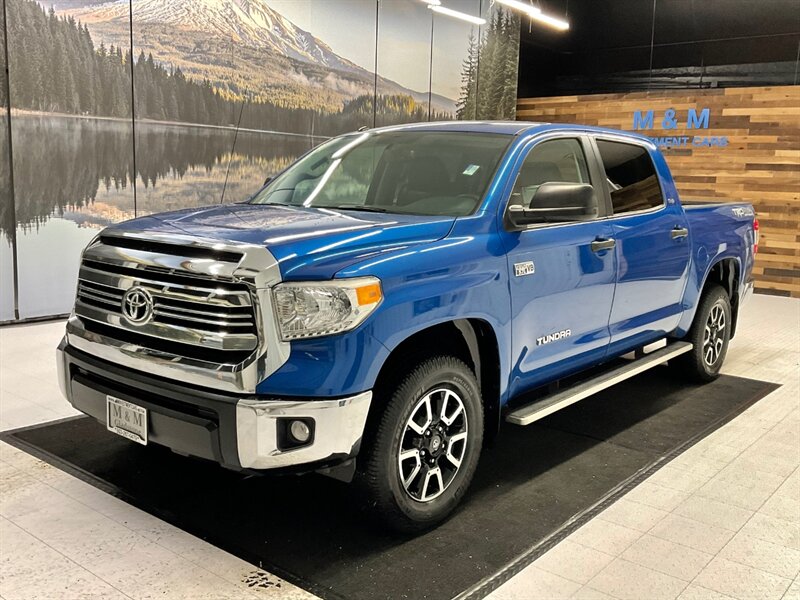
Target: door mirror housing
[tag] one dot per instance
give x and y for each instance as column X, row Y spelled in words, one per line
column 268, row 179
column 555, row 203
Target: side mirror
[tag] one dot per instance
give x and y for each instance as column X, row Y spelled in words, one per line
column 555, row 203
column 268, row 179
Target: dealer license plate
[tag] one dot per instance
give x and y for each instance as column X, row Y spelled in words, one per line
column 126, row 419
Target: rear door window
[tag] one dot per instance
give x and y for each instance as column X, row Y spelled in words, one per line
column 631, row 177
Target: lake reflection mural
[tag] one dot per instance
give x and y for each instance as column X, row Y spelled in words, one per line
column 103, row 132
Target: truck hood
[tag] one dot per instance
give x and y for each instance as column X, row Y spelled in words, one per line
column 309, row 243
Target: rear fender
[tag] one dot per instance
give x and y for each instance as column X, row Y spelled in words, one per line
column 725, row 269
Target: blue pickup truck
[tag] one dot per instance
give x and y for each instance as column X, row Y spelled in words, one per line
column 377, row 309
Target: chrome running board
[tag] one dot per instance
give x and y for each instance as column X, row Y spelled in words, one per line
column 525, row 415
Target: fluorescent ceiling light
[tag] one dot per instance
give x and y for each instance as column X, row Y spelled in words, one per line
column 554, row 22
column 458, row 15
column 536, row 14
column 528, row 9
column 433, row 2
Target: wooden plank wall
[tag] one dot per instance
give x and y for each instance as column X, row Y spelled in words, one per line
column 760, row 164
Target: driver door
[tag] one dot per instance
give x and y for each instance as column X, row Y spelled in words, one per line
column 562, row 274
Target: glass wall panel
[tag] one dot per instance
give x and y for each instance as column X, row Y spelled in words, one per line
column 286, row 74
column 6, row 197
column 498, row 63
column 703, row 45
column 454, row 62
column 616, row 45
column 73, row 153
column 404, row 59
column 342, row 33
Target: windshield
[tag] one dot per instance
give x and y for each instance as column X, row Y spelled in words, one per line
column 410, row 172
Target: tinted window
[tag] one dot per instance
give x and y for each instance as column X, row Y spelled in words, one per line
column 631, row 177
column 549, row 162
column 412, row 172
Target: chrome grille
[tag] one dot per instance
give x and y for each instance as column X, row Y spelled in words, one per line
column 199, row 309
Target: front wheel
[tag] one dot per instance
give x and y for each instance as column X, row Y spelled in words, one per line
column 710, row 334
column 418, row 464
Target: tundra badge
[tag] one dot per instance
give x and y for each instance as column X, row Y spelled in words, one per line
column 553, row 337
column 524, row 268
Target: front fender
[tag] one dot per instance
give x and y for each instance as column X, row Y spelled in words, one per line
column 459, row 277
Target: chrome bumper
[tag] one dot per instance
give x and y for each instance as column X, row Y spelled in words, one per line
column 248, row 426
column 338, row 427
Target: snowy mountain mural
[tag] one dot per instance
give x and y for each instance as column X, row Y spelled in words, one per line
column 290, row 73
column 246, row 22
column 241, row 45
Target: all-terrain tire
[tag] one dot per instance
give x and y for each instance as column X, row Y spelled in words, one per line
column 710, row 334
column 383, row 478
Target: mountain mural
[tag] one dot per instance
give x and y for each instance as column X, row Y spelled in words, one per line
column 242, row 46
column 196, row 70
column 246, row 22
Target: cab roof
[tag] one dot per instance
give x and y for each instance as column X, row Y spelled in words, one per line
column 513, row 128
column 502, row 127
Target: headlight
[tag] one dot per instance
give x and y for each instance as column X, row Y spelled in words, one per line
column 313, row 309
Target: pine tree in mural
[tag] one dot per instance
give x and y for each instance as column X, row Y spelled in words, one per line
column 510, row 66
column 489, row 73
column 466, row 104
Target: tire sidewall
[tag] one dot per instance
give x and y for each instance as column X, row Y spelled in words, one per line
column 446, row 374
column 716, row 296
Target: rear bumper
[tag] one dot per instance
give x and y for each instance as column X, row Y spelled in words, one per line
column 237, row 431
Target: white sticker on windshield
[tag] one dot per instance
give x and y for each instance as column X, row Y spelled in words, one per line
column 471, row 170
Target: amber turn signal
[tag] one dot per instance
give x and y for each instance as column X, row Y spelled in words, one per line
column 369, row 294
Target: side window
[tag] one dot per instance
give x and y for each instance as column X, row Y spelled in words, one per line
column 555, row 161
column 631, row 176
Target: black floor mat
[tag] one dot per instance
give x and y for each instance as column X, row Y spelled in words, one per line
column 308, row 530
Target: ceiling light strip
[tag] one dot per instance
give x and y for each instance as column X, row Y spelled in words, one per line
column 536, row 14
column 456, row 14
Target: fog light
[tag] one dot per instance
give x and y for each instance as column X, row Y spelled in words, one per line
column 300, row 431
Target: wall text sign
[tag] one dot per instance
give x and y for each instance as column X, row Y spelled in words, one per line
column 671, row 120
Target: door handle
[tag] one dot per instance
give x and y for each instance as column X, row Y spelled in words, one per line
column 603, row 244
column 679, row 232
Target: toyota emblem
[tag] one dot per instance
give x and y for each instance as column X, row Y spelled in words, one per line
column 137, row 305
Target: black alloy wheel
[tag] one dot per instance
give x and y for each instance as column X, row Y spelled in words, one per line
column 422, row 450
column 709, row 335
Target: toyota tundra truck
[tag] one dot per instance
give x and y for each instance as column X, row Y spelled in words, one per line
column 377, row 309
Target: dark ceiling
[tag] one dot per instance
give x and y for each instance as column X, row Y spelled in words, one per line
column 695, row 43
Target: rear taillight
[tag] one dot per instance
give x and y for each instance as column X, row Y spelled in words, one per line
column 755, row 236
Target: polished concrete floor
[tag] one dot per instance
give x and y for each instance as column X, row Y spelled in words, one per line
column 720, row 521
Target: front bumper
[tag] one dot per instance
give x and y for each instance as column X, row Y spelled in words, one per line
column 237, row 431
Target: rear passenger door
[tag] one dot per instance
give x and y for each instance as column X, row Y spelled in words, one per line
column 652, row 244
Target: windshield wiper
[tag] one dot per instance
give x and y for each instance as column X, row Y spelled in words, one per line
column 360, row 207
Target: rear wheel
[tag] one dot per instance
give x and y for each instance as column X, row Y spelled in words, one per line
column 423, row 454
column 710, row 334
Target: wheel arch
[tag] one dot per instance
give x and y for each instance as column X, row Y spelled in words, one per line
column 725, row 272
column 472, row 340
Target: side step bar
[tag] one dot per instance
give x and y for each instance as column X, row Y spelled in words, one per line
column 525, row 415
